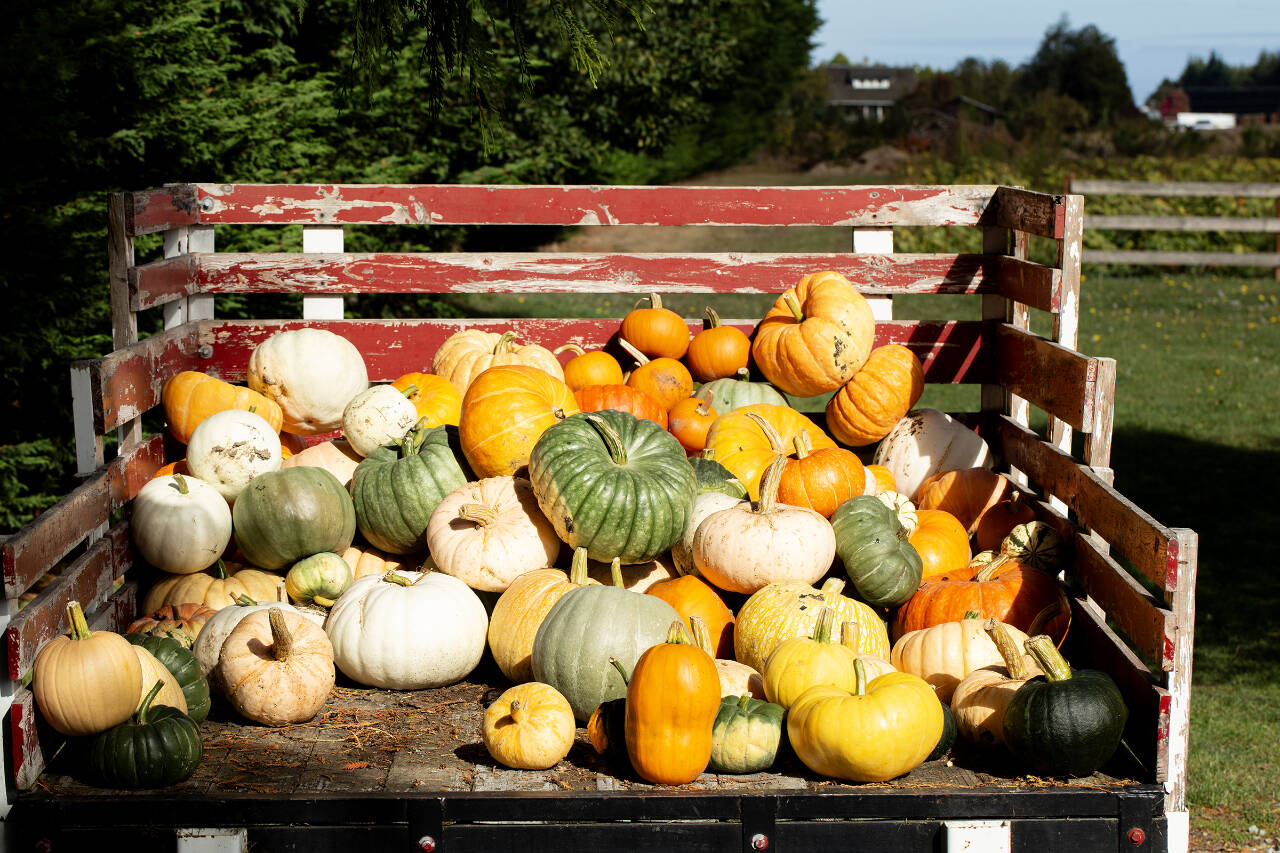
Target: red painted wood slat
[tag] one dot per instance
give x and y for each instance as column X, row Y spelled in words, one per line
column 26, row 748
column 334, row 204
column 150, row 211
column 1034, row 285
column 129, row 381
column 1022, row 210
column 163, row 281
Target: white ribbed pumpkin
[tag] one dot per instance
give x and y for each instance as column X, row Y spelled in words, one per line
column 703, row 505
column 407, row 630
column 180, row 524
column 926, row 442
column 312, row 374
column 489, row 532
column 230, row 448
column 208, row 644
column 377, row 416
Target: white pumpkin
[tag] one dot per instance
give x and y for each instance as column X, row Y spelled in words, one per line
column 180, row 524
column 337, row 457
column 489, row 532
column 230, row 448
column 926, row 442
column 208, row 644
column 703, row 505
column 738, row 679
column 312, row 374
column 377, row 416
column 749, row 546
column 407, row 630
column 152, row 671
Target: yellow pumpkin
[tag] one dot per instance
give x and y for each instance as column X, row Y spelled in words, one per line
column 803, row 662
column 504, row 413
column 529, row 727
column 436, row 400
column 87, row 681
column 469, row 352
column 746, row 440
column 215, row 587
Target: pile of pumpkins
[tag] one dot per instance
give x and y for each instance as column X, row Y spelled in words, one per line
column 710, row 529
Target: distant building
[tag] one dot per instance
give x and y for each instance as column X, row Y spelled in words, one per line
column 868, row 90
column 1249, row 104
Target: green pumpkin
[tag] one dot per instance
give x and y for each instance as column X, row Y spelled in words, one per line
column 730, row 393
column 585, row 629
column 283, row 516
column 617, row 485
column 950, row 729
column 318, row 579
column 746, row 735
column 711, row 476
column 882, row 565
column 183, row 666
column 1064, row 723
column 397, row 487
column 158, row 746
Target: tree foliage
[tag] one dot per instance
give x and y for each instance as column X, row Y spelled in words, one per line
column 1082, row 65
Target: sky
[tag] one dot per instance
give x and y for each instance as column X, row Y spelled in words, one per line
column 1153, row 39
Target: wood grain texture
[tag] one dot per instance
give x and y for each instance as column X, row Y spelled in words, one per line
column 1022, row 210
column 1056, row 379
column 1142, row 618
column 150, row 211
column 129, row 381
column 1177, row 189
column 1033, row 285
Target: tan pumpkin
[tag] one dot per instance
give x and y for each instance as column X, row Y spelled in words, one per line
column 875, row 398
column 981, row 696
column 276, row 668
column 529, row 727
column 312, row 374
column 966, row 493
column 944, row 654
column 469, row 352
column 736, row 679
column 215, row 587
column 86, row 681
column 152, row 671
column 182, row 622
column 190, row 396
column 637, row 577
column 336, row 456
column 367, row 560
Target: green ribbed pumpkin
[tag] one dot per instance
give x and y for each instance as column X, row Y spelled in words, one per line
column 283, row 516
column 882, row 565
column 587, row 627
column 746, row 735
column 183, row 666
column 397, row 487
column 711, row 476
column 158, row 746
column 617, row 485
column 731, row 393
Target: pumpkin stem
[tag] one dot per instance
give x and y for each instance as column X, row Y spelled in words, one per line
column 831, row 589
column 612, row 441
column 504, row 342
column 743, row 702
column 615, row 573
column 655, row 301
column 183, row 488
column 480, row 514
column 1051, row 661
column 578, row 568
column 1014, row 662
column 617, row 664
column 573, row 348
column 860, row 678
column 79, row 625
column 409, row 391
column 707, row 453
column 743, row 374
column 993, row 568
column 775, row 440
column 518, row 712
column 245, row 600
column 322, row 601
column 826, row 622
column 972, row 614
column 640, row 357
column 803, row 444
column 701, row 634
column 769, row 485
column 904, row 509
column 713, row 319
column 851, row 635
column 397, row 579
column 677, row 635
column 1051, row 612
column 282, row 593
column 145, row 706
column 220, row 569
column 793, row 304
column 281, row 639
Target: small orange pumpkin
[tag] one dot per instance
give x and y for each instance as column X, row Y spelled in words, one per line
column 867, row 407
column 884, row 478
column 435, row 398
column 665, row 379
column 943, row 544
column 823, row 479
column 717, row 351
column 624, row 398
column 590, row 368
column 965, row 493
column 691, row 597
column 689, row 421
column 179, row 466
column 1001, row 517
column 656, row 331
column 190, row 396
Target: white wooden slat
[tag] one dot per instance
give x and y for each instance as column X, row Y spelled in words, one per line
column 977, row 836
column 323, row 239
column 200, row 306
column 89, row 456
column 212, row 840
column 176, row 241
column 876, row 241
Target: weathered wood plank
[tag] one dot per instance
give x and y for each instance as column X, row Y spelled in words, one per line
column 473, row 204
column 956, row 351
column 1133, row 533
column 130, row 380
column 149, row 211
column 1183, row 603
column 1022, row 210
column 1179, row 259
column 26, row 750
column 1265, row 225
column 39, row 546
column 1059, row 380
column 541, row 272
column 1177, row 189
column 1148, row 625
column 1031, row 284
column 90, row 580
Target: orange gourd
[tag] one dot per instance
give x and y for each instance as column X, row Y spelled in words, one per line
column 590, row 368
column 672, row 702
column 189, row 397
column 656, row 331
column 867, row 407
column 689, row 421
column 998, row 519
column 816, row 335
column 943, row 543
column 624, row 398
column 435, row 398
column 884, row 478
column 717, row 351
column 965, row 493
column 823, row 479
column 504, row 412
column 691, row 597
column 665, row 379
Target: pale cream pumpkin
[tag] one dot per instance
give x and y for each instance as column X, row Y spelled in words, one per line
column 376, row 416
column 703, row 505
column 336, row 456
column 230, row 448
column 637, row 577
column 208, row 644
column 926, row 442
column 469, row 352
column 215, row 588
column 276, row 667
column 180, row 524
column 981, row 696
column 529, row 727
column 736, row 679
column 945, row 653
column 312, row 374
column 152, row 671
column 87, row 681
column 489, row 532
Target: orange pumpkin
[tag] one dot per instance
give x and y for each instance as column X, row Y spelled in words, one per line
column 665, row 379
column 624, row 398
column 1001, row 517
column 189, row 397
column 1029, row 600
column 884, row 389
column 186, row 619
column 689, row 421
column 435, row 398
column 884, row 479
column 965, row 493
column 748, row 439
column 656, row 331
column 505, row 411
column 815, row 337
column 821, row 480
column 692, row 596
column 943, row 544
column 178, row 466
column 590, row 368
column 717, row 351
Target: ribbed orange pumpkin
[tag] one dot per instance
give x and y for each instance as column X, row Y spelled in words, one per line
column 689, row 421
column 821, row 479
column 624, row 398
column 943, row 543
column 692, row 596
column 434, row 397
column 190, row 397
column 178, row 466
column 590, row 368
column 816, row 335
column 717, row 351
column 186, row 619
column 884, row 478
column 505, row 411
column 746, row 440
column 665, row 379
column 469, row 352
column 884, row 389
column 656, row 331
column 965, row 493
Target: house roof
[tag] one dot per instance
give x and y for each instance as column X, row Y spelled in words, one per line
column 868, row 85
column 1244, row 100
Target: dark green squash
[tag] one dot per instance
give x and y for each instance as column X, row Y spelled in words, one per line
column 607, row 727
column 397, row 487
column 1064, row 723
column 283, row 516
column 950, row 729
column 158, row 746
column 183, row 666
column 711, row 476
column 617, row 485
column 882, row 565
column 745, row 735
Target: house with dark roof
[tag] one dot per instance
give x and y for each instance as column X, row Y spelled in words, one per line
column 868, row 90
column 1249, row 104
